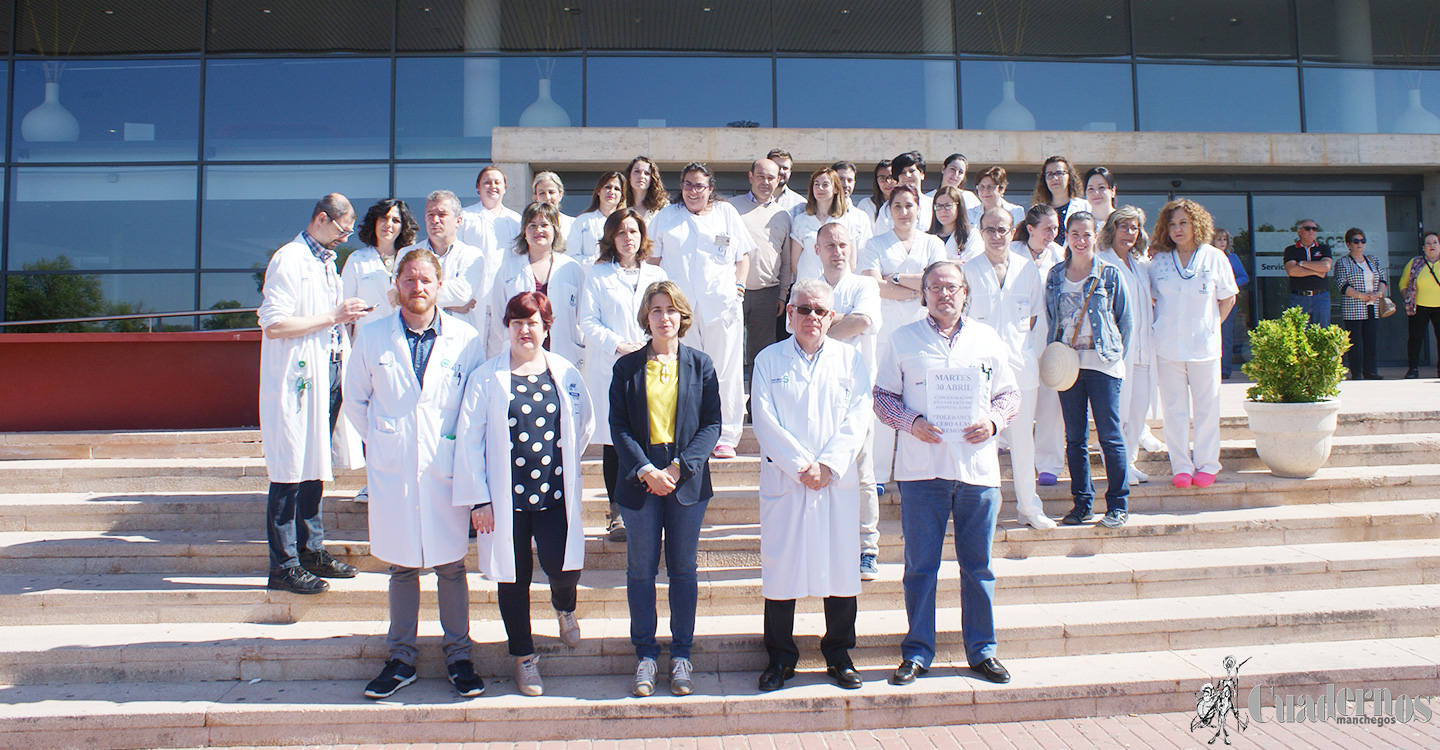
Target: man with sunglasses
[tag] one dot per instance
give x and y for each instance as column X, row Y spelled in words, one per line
column 811, row 408
column 1308, row 263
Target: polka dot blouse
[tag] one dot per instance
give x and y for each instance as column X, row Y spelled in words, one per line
column 535, row 471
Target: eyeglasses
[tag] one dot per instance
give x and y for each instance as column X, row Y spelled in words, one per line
column 688, row 185
column 994, row 231
column 886, row 178
column 1309, row 229
column 944, row 206
column 945, row 289
column 807, row 310
column 342, row 230
column 1357, row 241
column 986, row 188
column 1054, row 175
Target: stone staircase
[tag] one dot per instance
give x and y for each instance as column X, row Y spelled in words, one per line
column 133, row 608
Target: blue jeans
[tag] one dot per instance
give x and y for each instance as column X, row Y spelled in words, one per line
column 292, row 509
column 925, row 506
column 680, row 527
column 1099, row 395
column 1317, row 306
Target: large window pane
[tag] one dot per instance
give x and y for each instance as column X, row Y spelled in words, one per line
column 331, row 26
column 297, row 109
column 1219, row 98
column 105, row 27
column 1043, row 27
column 916, row 93
column 880, row 26
column 250, row 211
column 222, row 290
column 107, row 110
column 102, row 218
column 415, row 181
column 1024, row 96
column 490, row 25
column 489, row 92
column 1358, row 100
column 1214, row 29
column 700, row 25
column 33, row 296
column 679, row 92
column 1405, row 33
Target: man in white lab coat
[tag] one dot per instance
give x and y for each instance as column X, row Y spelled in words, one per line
column 303, row 318
column 403, row 390
column 466, row 286
column 811, row 399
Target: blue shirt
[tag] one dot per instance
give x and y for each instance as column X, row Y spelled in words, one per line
column 421, row 344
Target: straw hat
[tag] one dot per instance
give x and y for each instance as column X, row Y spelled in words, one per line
column 1059, row 366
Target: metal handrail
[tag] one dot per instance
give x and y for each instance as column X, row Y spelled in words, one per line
column 136, row 316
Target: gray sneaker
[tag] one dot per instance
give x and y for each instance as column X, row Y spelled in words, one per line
column 1114, row 519
column 680, row 682
column 569, row 628
column 869, row 569
column 527, row 675
column 645, row 677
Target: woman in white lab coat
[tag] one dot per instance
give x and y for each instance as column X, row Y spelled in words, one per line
column 610, row 324
column 583, row 241
column 1035, row 239
column 1194, row 288
column 1123, row 242
column 644, row 188
column 1058, row 186
column 824, row 204
column 953, row 227
column 1100, row 194
column 369, row 271
column 547, row 188
column 539, row 264
column 880, row 191
column 523, row 427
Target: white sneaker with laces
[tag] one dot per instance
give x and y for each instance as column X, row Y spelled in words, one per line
column 1039, row 521
column 680, row 682
column 569, row 628
column 645, row 677
column 527, row 675
column 363, row 496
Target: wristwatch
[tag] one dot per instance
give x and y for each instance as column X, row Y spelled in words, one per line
column 895, row 278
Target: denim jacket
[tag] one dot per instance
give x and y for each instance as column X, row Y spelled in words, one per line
column 1110, row 313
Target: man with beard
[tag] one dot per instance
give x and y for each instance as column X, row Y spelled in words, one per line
column 403, row 391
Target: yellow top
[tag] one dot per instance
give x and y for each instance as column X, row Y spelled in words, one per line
column 662, row 391
column 1427, row 291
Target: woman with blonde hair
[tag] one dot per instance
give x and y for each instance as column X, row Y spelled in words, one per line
column 825, row 203
column 1122, row 242
column 1194, row 289
column 548, row 188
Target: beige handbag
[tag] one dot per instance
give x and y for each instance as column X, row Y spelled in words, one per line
column 1059, row 363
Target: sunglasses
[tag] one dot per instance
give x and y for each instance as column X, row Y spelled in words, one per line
column 1309, row 229
column 806, row 310
column 1357, row 241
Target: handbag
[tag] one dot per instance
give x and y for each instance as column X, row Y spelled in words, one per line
column 1060, row 363
column 1387, row 305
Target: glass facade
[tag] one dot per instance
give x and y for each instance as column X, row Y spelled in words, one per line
column 158, row 150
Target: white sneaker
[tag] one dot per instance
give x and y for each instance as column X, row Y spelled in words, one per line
column 569, row 628
column 1151, row 443
column 1137, row 476
column 1040, row 521
column 680, row 682
column 527, row 675
column 645, row 678
column 363, row 496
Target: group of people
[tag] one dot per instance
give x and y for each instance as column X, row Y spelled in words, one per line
column 479, row 361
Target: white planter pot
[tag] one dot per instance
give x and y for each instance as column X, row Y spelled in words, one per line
column 544, row 112
column 50, row 122
column 1293, row 439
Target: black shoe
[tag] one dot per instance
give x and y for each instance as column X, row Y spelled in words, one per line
column 296, row 580
column 907, row 672
column 845, row 675
column 1076, row 517
column 395, row 675
column 1412, row 374
column 462, row 676
column 325, row 565
column 992, row 670
column 774, row 676
column 1374, row 376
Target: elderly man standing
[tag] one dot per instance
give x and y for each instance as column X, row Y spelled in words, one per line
column 811, row 415
column 769, row 273
column 947, row 471
column 464, row 266
column 403, row 389
column 303, row 318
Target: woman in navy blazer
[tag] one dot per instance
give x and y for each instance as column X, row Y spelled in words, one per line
column 664, row 482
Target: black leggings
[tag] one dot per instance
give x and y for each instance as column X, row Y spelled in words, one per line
column 548, row 529
column 610, row 467
column 1423, row 317
column 1363, row 332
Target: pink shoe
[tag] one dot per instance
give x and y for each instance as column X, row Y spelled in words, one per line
column 1181, row 480
column 723, row 451
column 1202, row 479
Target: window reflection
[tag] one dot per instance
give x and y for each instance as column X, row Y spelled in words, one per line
column 250, row 211
column 1219, row 98
column 43, row 296
column 697, row 92
column 106, row 110
column 313, row 109
column 489, row 92
column 220, row 291
column 102, row 218
column 916, row 93
column 415, row 181
column 1352, row 100
column 1026, row 96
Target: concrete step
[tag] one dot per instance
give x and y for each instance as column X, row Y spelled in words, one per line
column 122, row 716
column 351, row 650
column 48, row 599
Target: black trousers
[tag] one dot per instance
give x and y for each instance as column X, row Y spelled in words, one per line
column 610, row 468
column 292, row 509
column 1424, row 317
column 1361, row 357
column 548, row 529
column 839, row 630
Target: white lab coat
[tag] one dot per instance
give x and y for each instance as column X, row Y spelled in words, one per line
column 926, row 212
column 295, row 421
column 1008, row 309
column 482, row 459
column 365, row 276
column 805, row 227
column 1142, row 302
column 409, row 431
column 462, row 273
column 583, row 241
column 608, row 317
column 699, row 253
column 973, row 247
column 1017, row 213
column 567, row 277
column 886, row 254
column 1187, row 318
column 806, row 412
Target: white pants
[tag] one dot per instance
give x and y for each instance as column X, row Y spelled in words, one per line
column 1190, row 392
column 869, row 499
column 724, row 341
column 1134, row 403
column 882, row 451
column 1021, row 436
column 1049, row 432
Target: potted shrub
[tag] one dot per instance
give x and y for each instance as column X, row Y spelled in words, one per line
column 1297, row 369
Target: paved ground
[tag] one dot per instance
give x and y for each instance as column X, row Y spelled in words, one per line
column 1355, row 395
column 1152, row 732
